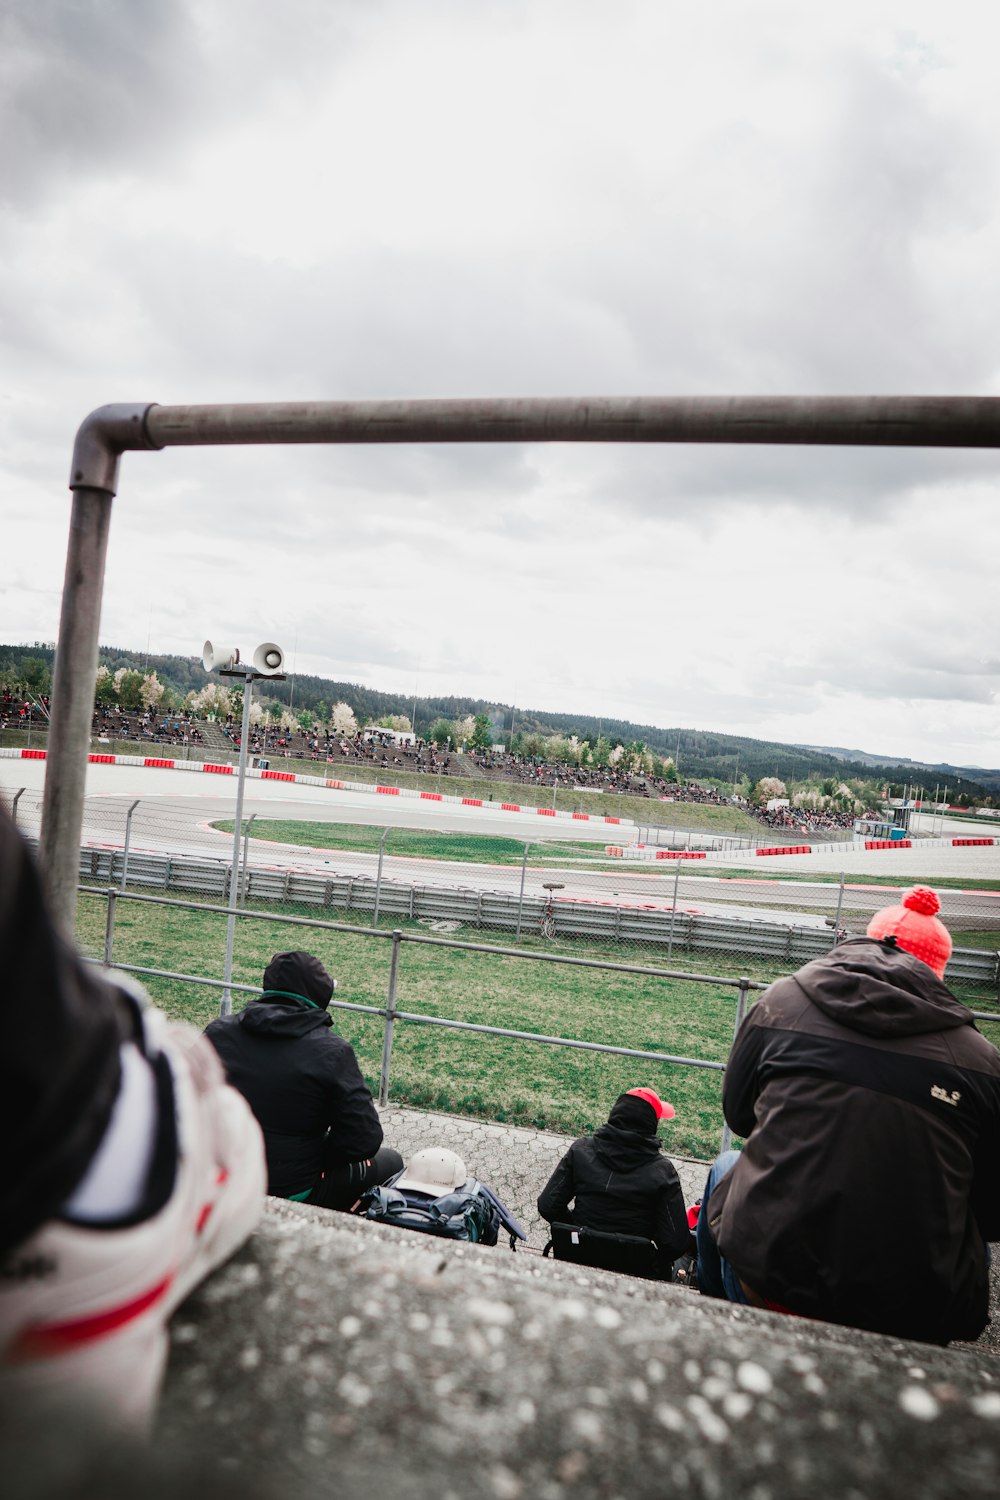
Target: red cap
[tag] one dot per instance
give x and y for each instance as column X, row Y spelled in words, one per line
column 916, row 928
column 664, row 1111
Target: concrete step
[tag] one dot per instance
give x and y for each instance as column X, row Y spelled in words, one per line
column 334, row 1356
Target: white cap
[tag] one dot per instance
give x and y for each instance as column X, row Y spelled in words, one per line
column 435, row 1170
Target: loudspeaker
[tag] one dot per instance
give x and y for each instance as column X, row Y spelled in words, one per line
column 214, row 657
column 268, row 659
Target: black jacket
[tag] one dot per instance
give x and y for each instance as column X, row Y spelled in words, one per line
column 870, row 1178
column 303, row 1083
column 623, row 1184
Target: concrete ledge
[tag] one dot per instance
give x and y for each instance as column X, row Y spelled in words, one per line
column 334, row 1356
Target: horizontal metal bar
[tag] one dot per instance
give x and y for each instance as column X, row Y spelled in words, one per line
column 433, row 942
column 556, row 1041
column 880, row 421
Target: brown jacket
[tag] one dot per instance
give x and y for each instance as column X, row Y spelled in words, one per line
column 870, row 1178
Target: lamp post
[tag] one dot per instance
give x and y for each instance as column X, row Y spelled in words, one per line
column 268, row 660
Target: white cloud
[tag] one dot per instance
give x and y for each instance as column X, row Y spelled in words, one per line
column 229, row 201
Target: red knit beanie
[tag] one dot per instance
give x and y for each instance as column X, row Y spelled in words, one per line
column 916, row 928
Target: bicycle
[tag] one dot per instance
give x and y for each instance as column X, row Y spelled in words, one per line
column 547, row 922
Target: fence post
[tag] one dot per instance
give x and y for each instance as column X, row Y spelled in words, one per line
column 741, row 1011
column 378, row 878
column 128, row 839
column 520, row 898
column 390, row 1018
column 840, row 903
column 109, row 927
column 244, row 891
column 13, row 806
column 673, row 914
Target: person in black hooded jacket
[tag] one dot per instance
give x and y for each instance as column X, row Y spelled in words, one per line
column 619, row 1181
column 321, row 1130
column 868, row 1188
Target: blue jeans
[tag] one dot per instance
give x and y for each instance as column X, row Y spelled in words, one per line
column 716, row 1277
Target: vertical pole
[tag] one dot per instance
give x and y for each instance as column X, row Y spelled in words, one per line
column 13, row 806
column 73, row 701
column 109, row 928
column 840, row 907
column 390, row 1019
column 246, row 861
column 520, row 897
column 673, row 914
column 378, row 877
column 128, row 837
column 226, row 1004
column 742, row 993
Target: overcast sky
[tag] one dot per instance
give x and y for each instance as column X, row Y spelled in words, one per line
column 236, row 200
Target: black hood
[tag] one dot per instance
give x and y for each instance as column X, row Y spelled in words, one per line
column 624, row 1150
column 299, row 974
column 278, row 1017
column 881, row 990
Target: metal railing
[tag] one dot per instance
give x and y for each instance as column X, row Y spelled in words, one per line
column 516, row 911
column 389, row 1011
column 391, row 1014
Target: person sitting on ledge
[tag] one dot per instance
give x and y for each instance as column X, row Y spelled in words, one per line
column 322, row 1133
column 619, row 1181
column 868, row 1188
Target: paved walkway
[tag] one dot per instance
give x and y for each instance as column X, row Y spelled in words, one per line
column 515, row 1162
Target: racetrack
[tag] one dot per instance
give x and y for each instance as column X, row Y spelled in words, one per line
column 176, row 810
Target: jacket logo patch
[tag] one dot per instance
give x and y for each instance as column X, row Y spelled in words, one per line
column 939, row 1093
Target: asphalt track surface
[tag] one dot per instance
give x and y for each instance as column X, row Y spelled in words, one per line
column 177, row 809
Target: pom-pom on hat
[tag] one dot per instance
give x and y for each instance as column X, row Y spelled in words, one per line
column 916, row 928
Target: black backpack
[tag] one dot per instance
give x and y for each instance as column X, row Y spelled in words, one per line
column 471, row 1212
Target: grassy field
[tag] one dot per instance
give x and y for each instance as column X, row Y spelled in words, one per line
column 826, row 877
column 434, row 1068
column 417, row 843
column 458, row 1072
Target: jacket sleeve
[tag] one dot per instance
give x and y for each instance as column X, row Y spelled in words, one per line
column 672, row 1235
column 558, row 1193
column 355, row 1128
column 985, row 1194
column 741, row 1080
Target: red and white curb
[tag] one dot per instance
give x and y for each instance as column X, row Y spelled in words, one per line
column 164, row 764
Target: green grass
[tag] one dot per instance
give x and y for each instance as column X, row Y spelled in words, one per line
column 415, row 843
column 942, row 882
column 459, row 1072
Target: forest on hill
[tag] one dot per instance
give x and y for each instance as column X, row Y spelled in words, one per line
column 698, row 753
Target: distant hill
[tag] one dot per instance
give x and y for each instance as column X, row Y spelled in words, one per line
column 700, row 753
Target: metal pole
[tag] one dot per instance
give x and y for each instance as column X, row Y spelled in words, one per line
column 246, row 861
column 555, row 783
column 867, row 421
column 520, row 897
column 726, row 1143
column 13, row 806
column 673, row 914
column 226, row 1004
column 128, row 836
column 73, row 686
column 378, row 877
column 390, row 1018
column 109, row 927
column 840, row 905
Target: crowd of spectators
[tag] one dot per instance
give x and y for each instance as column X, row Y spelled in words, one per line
column 366, row 747
column 806, row 819
column 145, row 726
column 21, row 713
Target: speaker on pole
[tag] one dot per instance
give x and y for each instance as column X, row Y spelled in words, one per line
column 268, row 659
column 214, row 657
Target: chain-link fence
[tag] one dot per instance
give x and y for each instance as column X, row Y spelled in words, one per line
column 504, row 973
column 562, row 894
